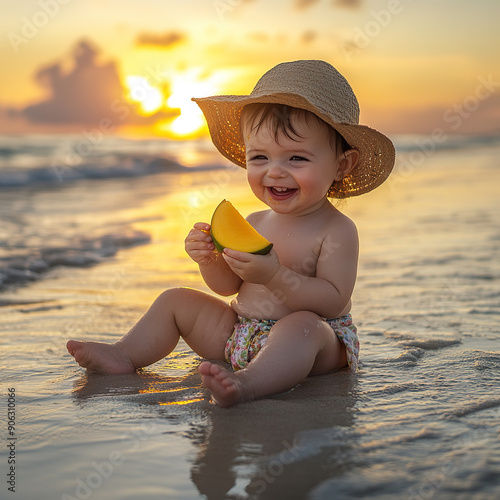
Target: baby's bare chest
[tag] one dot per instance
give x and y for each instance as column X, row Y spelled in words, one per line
column 299, row 253
column 298, row 242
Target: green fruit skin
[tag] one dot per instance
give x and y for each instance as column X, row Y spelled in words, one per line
column 264, row 251
column 220, row 248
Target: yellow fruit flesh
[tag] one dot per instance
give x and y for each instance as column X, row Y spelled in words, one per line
column 230, row 230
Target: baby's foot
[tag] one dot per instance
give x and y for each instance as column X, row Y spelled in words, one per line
column 226, row 388
column 100, row 357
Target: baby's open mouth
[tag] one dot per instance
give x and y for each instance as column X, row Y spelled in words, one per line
column 281, row 193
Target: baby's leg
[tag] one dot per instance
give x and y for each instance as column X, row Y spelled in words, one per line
column 299, row 344
column 204, row 322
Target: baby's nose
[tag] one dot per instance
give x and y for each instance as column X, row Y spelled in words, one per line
column 276, row 169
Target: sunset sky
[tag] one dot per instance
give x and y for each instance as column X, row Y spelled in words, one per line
column 132, row 66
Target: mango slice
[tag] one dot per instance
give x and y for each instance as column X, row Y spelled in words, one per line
column 230, row 229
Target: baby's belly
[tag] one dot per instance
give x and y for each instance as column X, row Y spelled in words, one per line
column 256, row 301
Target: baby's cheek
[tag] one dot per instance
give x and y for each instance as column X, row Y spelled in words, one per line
column 255, row 182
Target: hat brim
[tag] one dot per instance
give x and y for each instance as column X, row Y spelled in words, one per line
column 376, row 151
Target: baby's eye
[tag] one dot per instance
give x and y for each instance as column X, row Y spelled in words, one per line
column 258, row 157
column 298, row 158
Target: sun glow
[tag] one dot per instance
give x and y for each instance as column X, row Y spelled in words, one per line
column 150, row 98
column 184, row 87
column 174, row 93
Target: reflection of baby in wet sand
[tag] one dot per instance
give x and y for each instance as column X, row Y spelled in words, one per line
column 269, row 455
column 298, row 138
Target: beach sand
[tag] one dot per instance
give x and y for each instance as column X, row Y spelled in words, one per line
column 420, row 418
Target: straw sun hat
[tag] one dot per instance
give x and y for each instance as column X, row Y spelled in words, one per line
column 315, row 86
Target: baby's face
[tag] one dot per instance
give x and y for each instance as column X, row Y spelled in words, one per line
column 291, row 176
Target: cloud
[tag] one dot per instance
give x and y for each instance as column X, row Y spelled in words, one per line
column 160, row 40
column 350, row 4
column 259, row 37
column 304, row 4
column 86, row 94
column 309, row 36
column 470, row 116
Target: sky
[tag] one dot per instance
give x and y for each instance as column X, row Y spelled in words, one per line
column 132, row 66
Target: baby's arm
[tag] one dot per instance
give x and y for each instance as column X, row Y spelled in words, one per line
column 215, row 272
column 328, row 293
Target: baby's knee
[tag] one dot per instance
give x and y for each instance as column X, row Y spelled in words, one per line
column 174, row 295
column 303, row 321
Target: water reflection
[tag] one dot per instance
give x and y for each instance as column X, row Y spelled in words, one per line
column 287, row 443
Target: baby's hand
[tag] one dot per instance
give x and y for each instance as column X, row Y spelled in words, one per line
column 253, row 268
column 199, row 245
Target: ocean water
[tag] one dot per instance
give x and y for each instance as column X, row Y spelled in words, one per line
column 89, row 237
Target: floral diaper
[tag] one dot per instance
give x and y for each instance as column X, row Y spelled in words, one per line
column 250, row 335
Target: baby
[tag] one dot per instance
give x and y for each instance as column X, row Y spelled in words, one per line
column 298, row 137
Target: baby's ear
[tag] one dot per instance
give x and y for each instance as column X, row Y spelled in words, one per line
column 347, row 161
